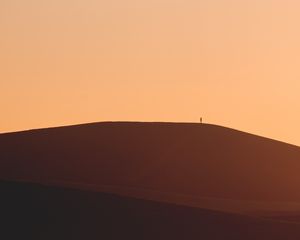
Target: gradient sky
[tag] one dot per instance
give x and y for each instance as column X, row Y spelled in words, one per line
column 233, row 62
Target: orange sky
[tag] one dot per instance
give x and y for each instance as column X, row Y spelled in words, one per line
column 234, row 62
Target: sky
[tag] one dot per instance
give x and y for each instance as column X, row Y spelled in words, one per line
column 233, row 62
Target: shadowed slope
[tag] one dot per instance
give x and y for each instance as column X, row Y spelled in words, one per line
column 196, row 160
column 30, row 211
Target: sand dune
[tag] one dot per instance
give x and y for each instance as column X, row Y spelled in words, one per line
column 34, row 212
column 192, row 164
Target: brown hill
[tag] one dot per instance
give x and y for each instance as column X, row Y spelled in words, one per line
column 194, row 164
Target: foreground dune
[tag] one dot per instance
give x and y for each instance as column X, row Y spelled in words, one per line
column 30, row 211
column 192, row 164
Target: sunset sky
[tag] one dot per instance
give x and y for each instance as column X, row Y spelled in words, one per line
column 234, row 62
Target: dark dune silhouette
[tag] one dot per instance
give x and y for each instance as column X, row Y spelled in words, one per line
column 196, row 160
column 34, row 212
column 192, row 165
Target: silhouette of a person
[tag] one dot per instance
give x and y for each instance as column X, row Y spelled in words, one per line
column 201, row 120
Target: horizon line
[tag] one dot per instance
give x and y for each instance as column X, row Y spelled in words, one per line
column 145, row 122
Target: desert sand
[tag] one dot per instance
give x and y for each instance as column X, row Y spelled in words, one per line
column 149, row 181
